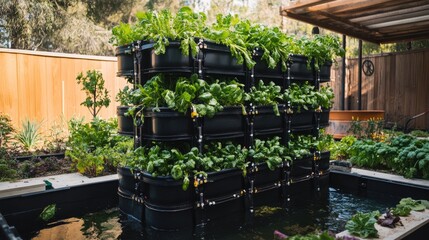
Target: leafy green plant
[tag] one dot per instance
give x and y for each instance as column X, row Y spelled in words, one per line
column 29, row 135
column 300, row 146
column 7, row 169
column 219, row 156
column 419, row 133
column 161, row 28
column 301, row 96
column 276, row 45
column 97, row 95
column 368, row 153
column 320, row 49
column 325, row 141
column 91, row 145
column 181, row 162
column 269, row 151
column 325, row 97
column 312, row 236
column 6, row 129
column 262, row 94
column 124, row 34
column 229, row 30
column 362, row 224
column 183, row 94
column 412, row 159
column 341, row 149
column 406, row 205
column 124, row 96
column 48, row 212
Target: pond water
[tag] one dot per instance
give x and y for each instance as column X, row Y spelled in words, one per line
column 302, row 218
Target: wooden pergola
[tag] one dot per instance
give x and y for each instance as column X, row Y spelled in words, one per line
column 377, row 21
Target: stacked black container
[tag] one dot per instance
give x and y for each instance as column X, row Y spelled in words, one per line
column 159, row 202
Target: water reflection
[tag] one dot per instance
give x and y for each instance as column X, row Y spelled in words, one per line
column 301, row 218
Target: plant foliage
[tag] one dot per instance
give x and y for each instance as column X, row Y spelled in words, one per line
column 362, row 224
column 97, row 95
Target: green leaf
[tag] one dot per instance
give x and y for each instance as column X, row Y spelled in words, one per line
column 48, row 212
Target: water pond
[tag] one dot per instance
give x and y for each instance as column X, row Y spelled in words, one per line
column 301, row 218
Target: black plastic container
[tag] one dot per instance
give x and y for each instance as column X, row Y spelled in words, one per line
column 163, row 191
column 325, row 72
column 125, row 58
column 267, row 185
column 266, row 122
column 261, row 69
column 172, row 61
column 301, row 189
column 302, row 167
column 125, row 123
column 302, row 120
column 324, row 118
column 323, row 162
column 131, row 205
column 227, row 210
column 224, row 183
column 169, row 217
column 227, row 123
column 166, row 124
column 217, row 60
column 298, row 68
column 127, row 181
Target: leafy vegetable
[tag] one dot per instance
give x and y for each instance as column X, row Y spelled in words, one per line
column 301, row 96
column 262, row 94
column 406, row 205
column 269, row 151
column 183, row 93
column 320, row 49
column 48, row 212
column 362, row 224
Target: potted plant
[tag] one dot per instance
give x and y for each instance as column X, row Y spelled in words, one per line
column 320, row 50
column 165, row 107
column 272, row 50
column 325, row 97
column 265, row 98
column 266, row 169
column 302, row 100
column 125, row 121
column 123, row 35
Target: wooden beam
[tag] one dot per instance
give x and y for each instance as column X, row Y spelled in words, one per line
column 381, row 5
column 303, row 4
column 370, row 12
column 346, row 5
column 399, row 22
column 352, row 33
column 407, row 27
column 388, row 13
column 363, row 28
column 404, row 38
column 395, row 17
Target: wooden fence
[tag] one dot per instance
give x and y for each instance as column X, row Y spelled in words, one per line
column 399, row 86
column 42, row 85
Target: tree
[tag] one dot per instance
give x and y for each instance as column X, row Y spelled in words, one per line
column 97, row 95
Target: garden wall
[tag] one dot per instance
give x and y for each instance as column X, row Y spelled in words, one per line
column 42, row 85
column 399, row 86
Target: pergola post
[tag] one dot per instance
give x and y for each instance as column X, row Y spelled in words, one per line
column 343, row 76
column 360, row 76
